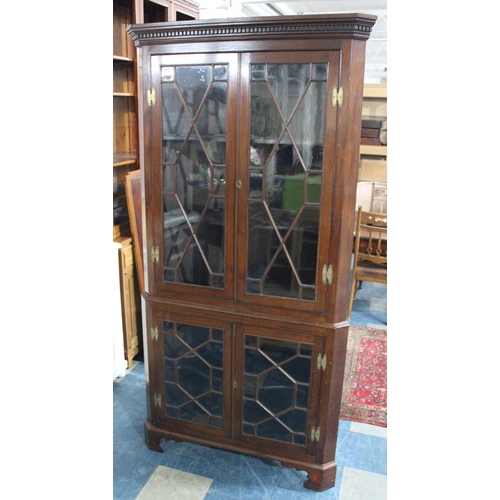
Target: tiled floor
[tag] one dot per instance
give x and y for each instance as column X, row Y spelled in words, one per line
column 361, row 449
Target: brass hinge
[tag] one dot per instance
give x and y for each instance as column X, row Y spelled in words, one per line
column 337, row 96
column 327, row 275
column 155, row 255
column 315, row 434
column 157, row 400
column 321, row 363
column 151, row 95
column 154, row 333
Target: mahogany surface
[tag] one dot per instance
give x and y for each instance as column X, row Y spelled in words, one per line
column 260, row 346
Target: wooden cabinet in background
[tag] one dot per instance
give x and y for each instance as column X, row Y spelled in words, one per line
column 129, row 299
column 125, row 124
column 156, row 11
column 375, row 109
column 251, row 132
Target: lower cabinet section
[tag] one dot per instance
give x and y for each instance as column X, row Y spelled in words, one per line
column 191, row 373
column 278, row 382
column 230, row 384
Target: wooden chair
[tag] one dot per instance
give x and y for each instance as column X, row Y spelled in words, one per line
column 370, row 251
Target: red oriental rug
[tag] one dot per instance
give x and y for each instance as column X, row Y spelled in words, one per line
column 364, row 397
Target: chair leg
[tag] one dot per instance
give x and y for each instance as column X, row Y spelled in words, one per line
column 360, row 285
column 352, row 296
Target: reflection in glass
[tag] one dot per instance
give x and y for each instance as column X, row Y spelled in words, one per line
column 167, row 73
column 220, row 72
column 285, row 178
column 194, row 173
column 277, row 377
column 193, row 373
column 288, row 83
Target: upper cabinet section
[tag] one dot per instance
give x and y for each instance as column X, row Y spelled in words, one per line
column 251, row 144
column 286, row 176
column 191, row 172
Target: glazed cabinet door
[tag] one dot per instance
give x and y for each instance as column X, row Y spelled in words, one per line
column 278, row 381
column 192, row 162
column 191, row 373
column 287, row 162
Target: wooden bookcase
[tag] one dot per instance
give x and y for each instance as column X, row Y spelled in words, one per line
column 125, row 129
column 126, row 141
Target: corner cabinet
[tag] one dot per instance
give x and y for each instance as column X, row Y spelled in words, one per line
column 250, row 134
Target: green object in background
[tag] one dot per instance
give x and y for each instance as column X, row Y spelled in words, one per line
column 293, row 191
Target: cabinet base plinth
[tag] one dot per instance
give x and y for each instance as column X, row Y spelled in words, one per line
column 152, row 438
column 320, row 477
column 321, row 480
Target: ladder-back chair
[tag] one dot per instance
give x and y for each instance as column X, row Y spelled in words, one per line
column 370, row 251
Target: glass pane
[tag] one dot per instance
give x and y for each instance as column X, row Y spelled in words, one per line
column 211, row 122
column 193, row 373
column 285, row 178
column 265, row 117
column 176, row 121
column 277, row 377
column 283, row 244
column 319, row 72
column 193, row 82
column 306, row 127
column 288, row 82
column 258, row 71
column 194, row 174
column 167, row 73
column 220, row 72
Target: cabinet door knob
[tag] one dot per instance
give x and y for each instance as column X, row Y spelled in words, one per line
column 239, row 184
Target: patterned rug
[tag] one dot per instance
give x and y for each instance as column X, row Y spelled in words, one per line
column 364, row 396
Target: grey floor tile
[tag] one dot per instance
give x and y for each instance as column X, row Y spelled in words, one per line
column 377, row 304
column 179, row 485
column 372, row 430
column 362, row 485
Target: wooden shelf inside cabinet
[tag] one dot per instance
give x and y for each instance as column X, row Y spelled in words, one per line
column 373, row 150
column 121, row 160
column 124, row 128
column 124, row 111
column 124, row 77
column 122, row 59
column 168, row 10
column 121, row 230
column 184, row 10
column 123, row 15
column 375, row 108
column 154, row 11
column 375, row 91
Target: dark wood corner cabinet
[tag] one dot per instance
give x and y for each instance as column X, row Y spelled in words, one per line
column 251, row 135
